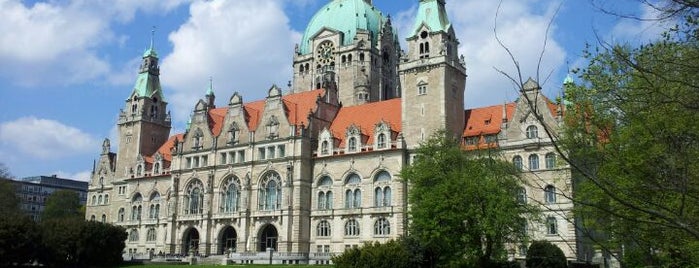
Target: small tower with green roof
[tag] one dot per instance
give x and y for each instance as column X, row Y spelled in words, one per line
column 144, row 123
column 433, row 76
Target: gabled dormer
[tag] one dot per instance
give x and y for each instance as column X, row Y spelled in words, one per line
column 382, row 136
column 353, row 139
column 326, row 143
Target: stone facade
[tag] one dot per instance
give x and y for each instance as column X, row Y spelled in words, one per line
column 312, row 172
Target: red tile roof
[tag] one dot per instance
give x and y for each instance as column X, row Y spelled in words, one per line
column 486, row 120
column 366, row 117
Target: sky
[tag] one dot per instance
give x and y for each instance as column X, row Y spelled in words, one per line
column 67, row 66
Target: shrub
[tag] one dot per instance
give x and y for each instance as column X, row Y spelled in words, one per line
column 545, row 254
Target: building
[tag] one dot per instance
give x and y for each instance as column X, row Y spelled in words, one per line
column 316, row 170
column 33, row 192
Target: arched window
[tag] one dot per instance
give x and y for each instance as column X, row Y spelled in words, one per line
column 353, row 196
column 99, row 200
column 92, row 218
column 387, row 196
column 272, row 127
column 382, row 193
column 381, row 141
column 534, row 162
column 517, row 161
column 104, row 218
column 106, row 199
column 154, row 211
column 344, row 58
column 136, row 207
column 120, row 215
column 324, row 148
column 378, row 197
column 323, row 229
column 550, row 161
column 352, row 144
column 325, row 196
column 270, row 192
column 231, row 195
column 133, row 235
column 156, row 168
column 550, row 194
column 352, row 228
column 532, row 132
column 197, row 140
column 349, row 58
column 551, row 226
column 139, row 170
column 94, row 200
column 361, row 56
column 151, row 234
column 382, row 227
column 521, row 195
column 194, row 198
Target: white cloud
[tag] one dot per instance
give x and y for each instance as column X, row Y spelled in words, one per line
column 521, row 26
column 58, row 42
column 635, row 30
column 45, row 139
column 244, row 45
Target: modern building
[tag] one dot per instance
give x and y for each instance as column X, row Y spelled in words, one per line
column 33, row 192
column 314, row 171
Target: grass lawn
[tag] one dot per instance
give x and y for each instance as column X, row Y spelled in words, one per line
column 206, row 266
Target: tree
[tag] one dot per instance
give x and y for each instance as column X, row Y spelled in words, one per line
column 543, row 254
column 463, row 207
column 62, row 204
column 394, row 253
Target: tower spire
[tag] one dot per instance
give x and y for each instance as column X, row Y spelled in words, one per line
column 210, row 96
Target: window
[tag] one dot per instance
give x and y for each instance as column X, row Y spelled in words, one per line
column 154, row 211
column 550, row 194
column 382, row 227
column 550, row 161
column 521, row 195
column 532, row 132
column 136, row 207
column 223, row 158
column 422, row 89
column 472, row 140
column 230, row 195
column 324, row 148
column 534, row 162
column 94, row 200
column 381, row 141
column 281, row 151
column 194, row 198
column 133, row 235
column 233, row 134
column 323, row 229
column 151, row 234
column 352, row 228
column 517, row 161
column 261, row 153
column 325, row 198
column 353, row 196
column 92, row 218
column 272, row 128
column 270, row 152
column 189, row 162
column 241, row 156
column 198, row 140
column 156, row 168
column 491, row 139
column 104, row 218
column 551, row 226
column 270, row 192
column 352, row 144
column 106, row 199
column 120, row 215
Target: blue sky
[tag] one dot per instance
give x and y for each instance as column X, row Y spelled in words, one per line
column 66, row 66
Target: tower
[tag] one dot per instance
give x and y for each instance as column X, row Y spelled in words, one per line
column 433, row 77
column 144, row 124
column 352, row 40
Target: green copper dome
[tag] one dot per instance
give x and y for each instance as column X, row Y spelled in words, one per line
column 346, row 16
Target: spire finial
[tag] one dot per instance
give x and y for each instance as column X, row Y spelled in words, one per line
column 210, row 89
column 152, row 37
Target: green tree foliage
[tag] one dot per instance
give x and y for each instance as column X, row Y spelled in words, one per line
column 71, row 242
column 62, row 204
column 463, row 207
column 19, row 239
column 543, row 254
column 633, row 138
column 393, row 254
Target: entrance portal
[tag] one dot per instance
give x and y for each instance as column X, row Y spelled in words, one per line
column 227, row 240
column 268, row 238
column 190, row 242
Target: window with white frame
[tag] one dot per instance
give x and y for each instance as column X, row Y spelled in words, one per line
column 533, row 162
column 550, row 194
column 133, row 235
column 136, row 207
column 517, row 162
column 151, row 234
column 550, row 161
column 270, row 192
column 532, row 132
column 382, row 192
column 194, row 198
column 381, row 141
column 382, row 227
column 353, row 195
column 323, row 229
column 324, row 148
column 230, row 195
column 551, row 226
column 352, row 144
column 154, row 211
column 120, row 215
column 352, row 228
column 422, row 88
column 522, row 195
column 325, row 195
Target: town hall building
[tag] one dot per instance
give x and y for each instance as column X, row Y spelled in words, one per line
column 310, row 172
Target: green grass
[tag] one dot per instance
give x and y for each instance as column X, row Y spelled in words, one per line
column 217, row 266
